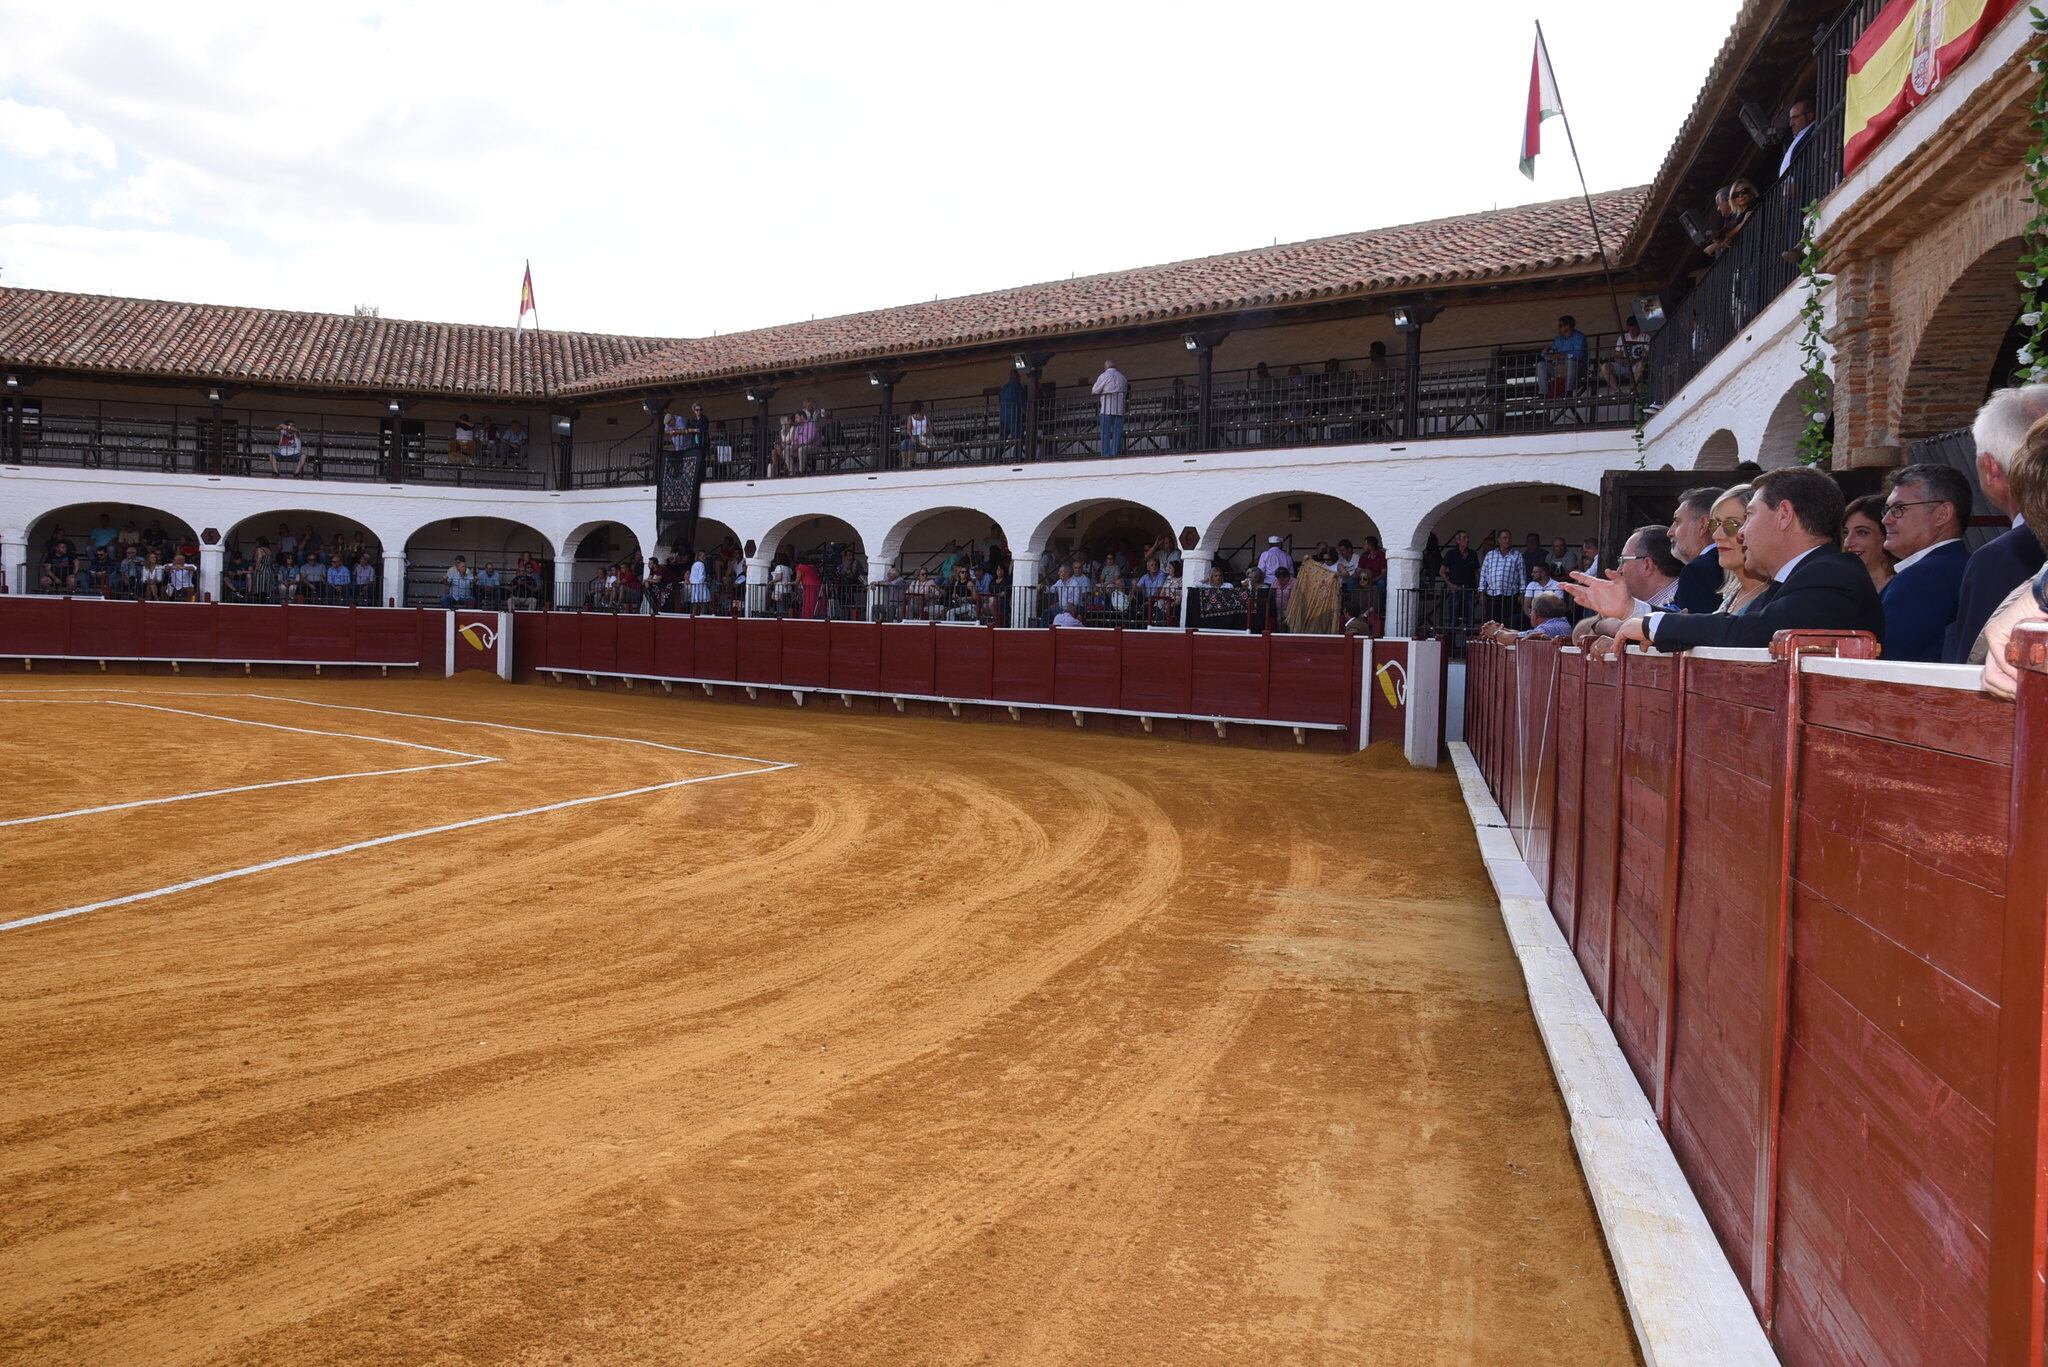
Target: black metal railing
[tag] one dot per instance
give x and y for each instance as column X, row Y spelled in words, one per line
column 1469, row 392
column 97, row 434
column 1762, row 258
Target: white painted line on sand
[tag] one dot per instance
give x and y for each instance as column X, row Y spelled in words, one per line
column 208, row 880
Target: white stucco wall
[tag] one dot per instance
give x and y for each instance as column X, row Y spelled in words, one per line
column 1753, row 379
column 1401, row 490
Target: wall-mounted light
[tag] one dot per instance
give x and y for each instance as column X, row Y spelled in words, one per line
column 13, row 382
column 1191, row 341
column 754, row 397
column 1411, row 317
column 394, row 406
column 1021, row 361
column 653, row 406
column 563, row 424
column 1695, row 229
column 213, row 395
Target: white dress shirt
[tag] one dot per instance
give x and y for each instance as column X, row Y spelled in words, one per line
column 1917, row 556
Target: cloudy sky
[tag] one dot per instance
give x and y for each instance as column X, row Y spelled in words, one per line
column 681, row 169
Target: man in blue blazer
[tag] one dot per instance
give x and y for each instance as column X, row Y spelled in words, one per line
column 2001, row 566
column 1791, row 536
column 1699, row 584
column 1926, row 508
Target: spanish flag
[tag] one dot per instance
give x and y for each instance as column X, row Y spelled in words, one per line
column 1902, row 57
column 1544, row 103
column 526, row 301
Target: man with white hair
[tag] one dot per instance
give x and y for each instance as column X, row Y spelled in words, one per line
column 2000, row 566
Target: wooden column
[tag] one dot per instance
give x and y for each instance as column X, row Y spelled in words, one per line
column 2019, row 1161
column 1205, row 398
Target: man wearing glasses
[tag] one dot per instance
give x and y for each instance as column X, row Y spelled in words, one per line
column 1926, row 508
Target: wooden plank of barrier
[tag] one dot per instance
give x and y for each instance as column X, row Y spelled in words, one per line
column 1614, row 873
column 2019, row 1170
column 1674, row 861
column 1786, row 649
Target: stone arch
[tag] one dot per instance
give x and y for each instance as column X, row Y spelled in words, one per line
column 1573, row 527
column 1720, row 451
column 710, row 534
column 480, row 540
column 1321, row 517
column 1076, row 521
column 1958, row 348
column 1778, row 447
column 945, row 525
column 602, row 539
column 242, row 536
column 806, row 533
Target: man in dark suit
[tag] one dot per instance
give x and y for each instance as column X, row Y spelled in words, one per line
column 2001, row 566
column 1926, row 508
column 1699, row 583
column 1789, row 536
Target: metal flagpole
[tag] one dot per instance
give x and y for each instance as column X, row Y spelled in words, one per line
column 540, row 355
column 1606, row 268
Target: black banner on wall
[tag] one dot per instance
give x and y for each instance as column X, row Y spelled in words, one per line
column 678, row 490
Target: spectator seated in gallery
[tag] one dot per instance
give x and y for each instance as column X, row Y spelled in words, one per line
column 2011, row 559
column 1926, row 509
column 2027, row 488
column 1790, row 536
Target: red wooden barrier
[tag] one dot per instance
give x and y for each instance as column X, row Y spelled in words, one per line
column 1810, row 905
column 91, row 629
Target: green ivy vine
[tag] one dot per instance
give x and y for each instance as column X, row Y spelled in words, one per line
column 1817, row 395
column 2033, row 363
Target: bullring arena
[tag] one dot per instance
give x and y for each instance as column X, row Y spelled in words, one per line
column 1461, row 792
column 650, row 1030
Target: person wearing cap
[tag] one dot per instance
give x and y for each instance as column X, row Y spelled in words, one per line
column 1273, row 558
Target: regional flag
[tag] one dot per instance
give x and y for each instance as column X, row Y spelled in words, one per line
column 1543, row 104
column 526, row 301
column 1901, row 58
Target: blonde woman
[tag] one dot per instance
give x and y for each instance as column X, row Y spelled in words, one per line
column 1739, row 588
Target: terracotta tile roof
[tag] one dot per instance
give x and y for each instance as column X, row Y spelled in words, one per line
column 1531, row 240
column 45, row 329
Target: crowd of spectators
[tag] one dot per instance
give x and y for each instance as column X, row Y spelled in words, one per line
column 302, row 567
column 517, row 588
column 125, row 562
column 1786, row 551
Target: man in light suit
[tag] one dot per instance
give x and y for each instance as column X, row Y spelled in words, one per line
column 1926, row 508
column 1790, row 536
column 1999, row 567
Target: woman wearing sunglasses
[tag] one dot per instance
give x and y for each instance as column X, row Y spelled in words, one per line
column 1739, row 588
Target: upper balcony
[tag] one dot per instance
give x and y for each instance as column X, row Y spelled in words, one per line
column 1465, row 392
column 1756, row 261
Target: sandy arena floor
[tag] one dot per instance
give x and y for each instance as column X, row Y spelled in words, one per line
column 954, row 1043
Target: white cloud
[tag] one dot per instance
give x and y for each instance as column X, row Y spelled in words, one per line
column 684, row 169
column 40, row 133
column 21, row 205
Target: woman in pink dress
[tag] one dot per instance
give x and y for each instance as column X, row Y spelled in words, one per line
column 810, row 582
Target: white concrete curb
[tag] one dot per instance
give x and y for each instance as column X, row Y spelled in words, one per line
column 1683, row 1297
